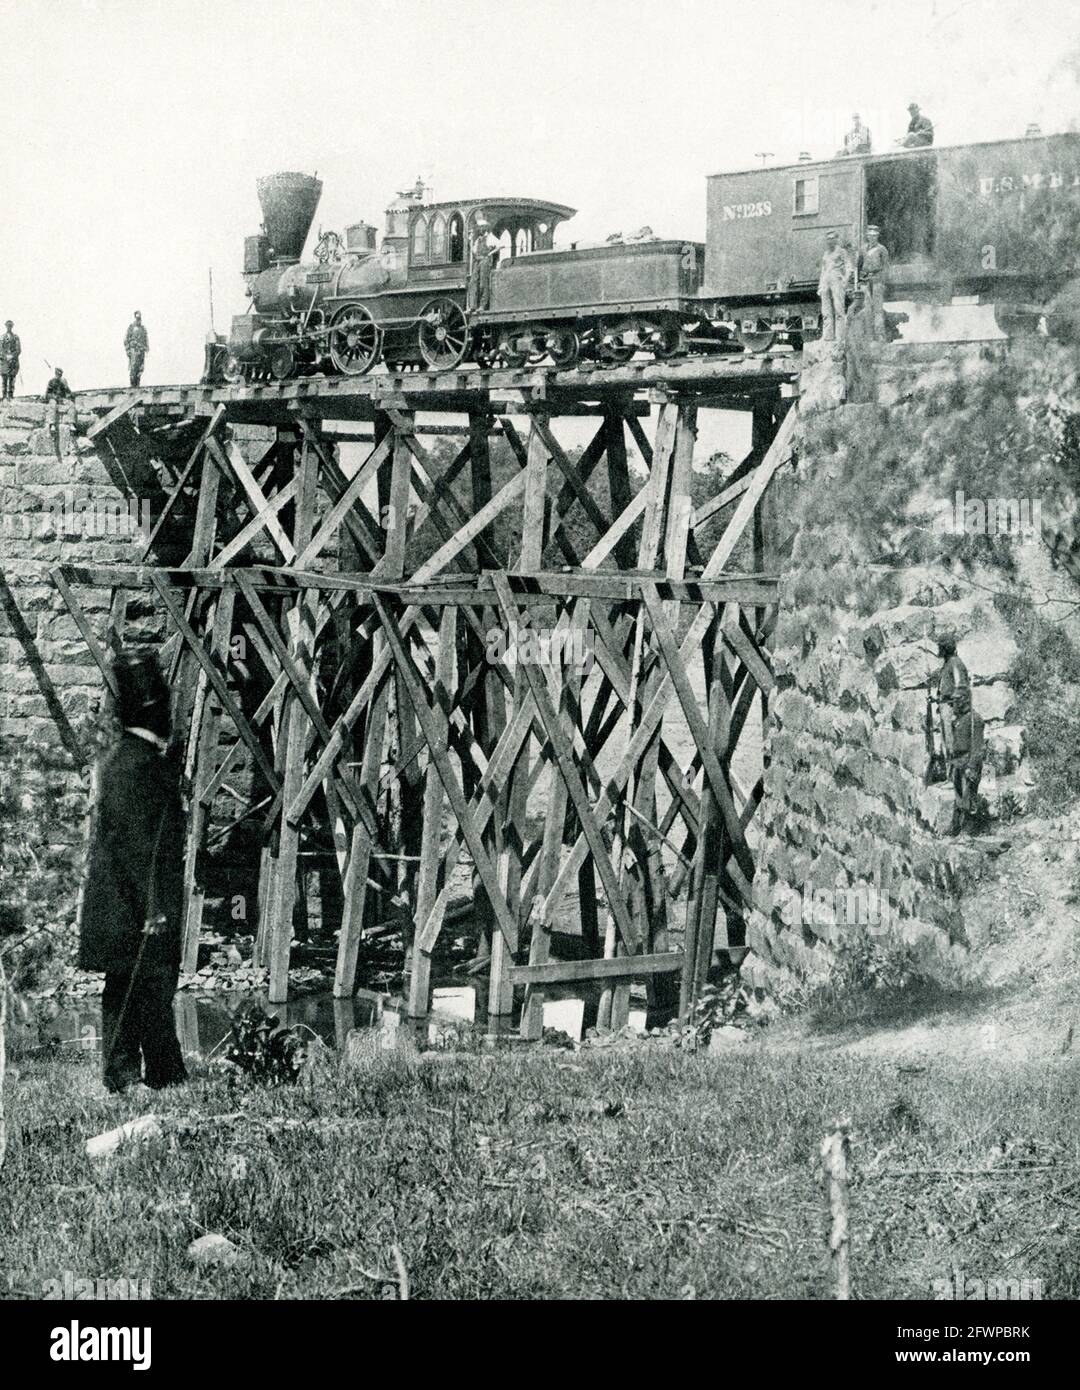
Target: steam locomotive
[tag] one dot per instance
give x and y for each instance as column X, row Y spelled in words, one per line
column 996, row 223
column 405, row 303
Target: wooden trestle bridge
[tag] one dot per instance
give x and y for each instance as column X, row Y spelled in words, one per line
column 284, row 551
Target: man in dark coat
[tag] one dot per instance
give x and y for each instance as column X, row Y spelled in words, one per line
column 920, row 129
column 136, row 345
column 130, row 916
column 10, row 352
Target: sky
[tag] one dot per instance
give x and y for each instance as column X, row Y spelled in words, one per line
column 134, row 130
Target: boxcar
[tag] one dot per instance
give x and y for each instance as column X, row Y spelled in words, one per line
column 1000, row 220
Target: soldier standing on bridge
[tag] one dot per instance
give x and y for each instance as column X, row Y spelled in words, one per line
column 136, row 345
column 836, row 276
column 58, row 390
column 873, row 263
column 130, row 914
column 10, row 352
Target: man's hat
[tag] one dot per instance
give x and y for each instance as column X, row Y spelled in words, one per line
column 913, row 106
column 872, row 227
column 8, row 323
column 140, row 685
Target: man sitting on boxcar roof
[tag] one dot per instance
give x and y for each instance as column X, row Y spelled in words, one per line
column 857, row 140
column 920, row 129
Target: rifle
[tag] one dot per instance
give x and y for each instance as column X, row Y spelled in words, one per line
column 935, row 762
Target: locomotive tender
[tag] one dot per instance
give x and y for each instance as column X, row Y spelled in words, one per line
column 996, row 222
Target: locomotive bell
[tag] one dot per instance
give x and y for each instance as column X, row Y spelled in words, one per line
column 288, row 203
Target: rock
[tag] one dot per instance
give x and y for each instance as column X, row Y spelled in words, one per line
column 364, row 1045
column 1005, row 747
column 988, row 658
column 996, row 701
column 822, row 384
column 237, row 1165
column 210, row 1250
column 725, row 1038
column 146, row 1127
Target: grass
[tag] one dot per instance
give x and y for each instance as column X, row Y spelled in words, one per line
column 1046, row 678
column 917, row 999
column 640, row 1174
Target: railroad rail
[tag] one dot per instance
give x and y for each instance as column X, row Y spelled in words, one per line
column 707, row 380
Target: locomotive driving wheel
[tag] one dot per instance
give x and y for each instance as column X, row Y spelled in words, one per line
column 444, row 334
column 233, row 370
column 564, row 346
column 355, row 340
column 282, row 362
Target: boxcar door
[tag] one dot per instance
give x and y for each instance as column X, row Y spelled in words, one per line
column 823, row 198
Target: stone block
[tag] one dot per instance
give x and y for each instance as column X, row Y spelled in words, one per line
column 996, row 701
column 1005, row 747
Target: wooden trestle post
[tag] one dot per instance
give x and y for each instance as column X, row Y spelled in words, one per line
column 412, row 748
column 296, row 731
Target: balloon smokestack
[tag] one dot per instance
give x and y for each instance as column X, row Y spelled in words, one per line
column 288, row 203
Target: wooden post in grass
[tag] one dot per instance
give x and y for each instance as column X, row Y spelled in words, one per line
column 835, row 1151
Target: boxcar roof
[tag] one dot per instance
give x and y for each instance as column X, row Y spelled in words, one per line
column 899, row 152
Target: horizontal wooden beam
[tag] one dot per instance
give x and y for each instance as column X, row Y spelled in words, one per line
column 559, row 972
column 461, row 389
column 463, row 590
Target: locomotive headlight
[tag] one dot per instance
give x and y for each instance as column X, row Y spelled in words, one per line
column 542, row 228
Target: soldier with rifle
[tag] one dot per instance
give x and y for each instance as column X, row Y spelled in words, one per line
column 950, row 678
column 966, row 762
